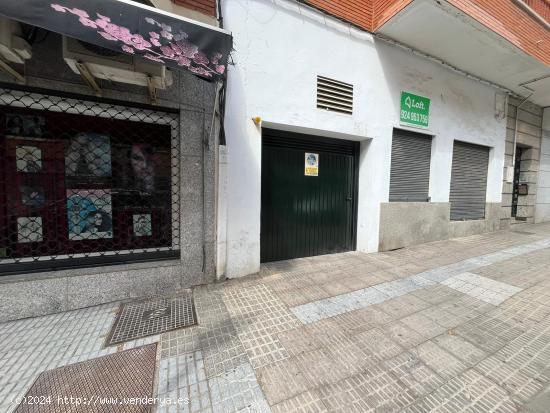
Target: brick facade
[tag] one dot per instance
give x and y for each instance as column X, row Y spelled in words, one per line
column 207, row 7
column 507, row 19
column 357, row 12
column 504, row 17
column 541, row 7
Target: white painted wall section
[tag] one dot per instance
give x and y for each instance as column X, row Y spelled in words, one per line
column 280, row 48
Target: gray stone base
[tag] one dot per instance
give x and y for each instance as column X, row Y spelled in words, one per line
column 409, row 223
column 46, row 293
column 478, row 226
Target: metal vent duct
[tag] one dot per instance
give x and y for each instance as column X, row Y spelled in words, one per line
column 334, row 95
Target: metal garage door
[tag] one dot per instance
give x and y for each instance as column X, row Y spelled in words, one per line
column 468, row 181
column 410, row 166
column 307, row 215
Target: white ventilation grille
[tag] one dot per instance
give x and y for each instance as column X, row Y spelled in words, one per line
column 334, row 95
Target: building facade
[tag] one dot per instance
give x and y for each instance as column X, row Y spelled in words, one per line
column 162, row 163
column 349, row 128
column 108, row 187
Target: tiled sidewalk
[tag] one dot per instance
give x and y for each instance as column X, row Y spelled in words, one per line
column 453, row 326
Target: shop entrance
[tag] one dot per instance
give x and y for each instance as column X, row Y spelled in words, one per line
column 309, row 195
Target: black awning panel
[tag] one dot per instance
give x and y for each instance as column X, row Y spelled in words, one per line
column 133, row 28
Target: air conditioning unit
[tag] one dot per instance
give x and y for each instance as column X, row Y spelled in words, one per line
column 13, row 47
column 116, row 66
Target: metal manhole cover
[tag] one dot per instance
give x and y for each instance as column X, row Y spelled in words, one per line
column 120, row 382
column 147, row 318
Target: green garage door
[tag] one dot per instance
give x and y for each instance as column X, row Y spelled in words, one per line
column 303, row 214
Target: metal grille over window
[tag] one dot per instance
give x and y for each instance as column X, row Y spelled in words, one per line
column 410, row 167
column 86, row 183
column 468, row 181
column 334, row 95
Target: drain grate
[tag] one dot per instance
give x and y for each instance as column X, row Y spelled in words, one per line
column 147, row 318
column 116, row 383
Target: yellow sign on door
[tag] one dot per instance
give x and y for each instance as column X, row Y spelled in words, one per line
column 312, row 164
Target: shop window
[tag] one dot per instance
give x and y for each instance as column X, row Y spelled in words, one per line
column 82, row 180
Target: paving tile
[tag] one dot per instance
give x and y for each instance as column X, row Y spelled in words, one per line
column 414, row 373
column 482, row 288
column 436, row 294
column 376, row 342
column 373, row 390
column 470, row 392
column 319, row 367
column 237, row 390
column 423, row 325
column 519, row 385
column 397, row 288
column 403, row 306
column 361, row 320
column 282, row 380
column 352, row 357
column 306, row 402
column 258, row 308
column 403, row 335
column 440, row 361
column 488, row 333
column 180, row 341
column 184, row 376
column 298, row 340
column 222, row 350
column 524, row 309
column 446, row 318
column 460, row 348
column 263, row 349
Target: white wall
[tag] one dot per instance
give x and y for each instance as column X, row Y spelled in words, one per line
column 542, row 209
column 280, row 48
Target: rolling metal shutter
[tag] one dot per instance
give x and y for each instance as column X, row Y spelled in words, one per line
column 468, row 181
column 410, row 167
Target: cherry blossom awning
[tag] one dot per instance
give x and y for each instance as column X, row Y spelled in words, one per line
column 133, row 28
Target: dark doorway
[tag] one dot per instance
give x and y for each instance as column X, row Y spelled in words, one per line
column 307, row 212
column 517, row 170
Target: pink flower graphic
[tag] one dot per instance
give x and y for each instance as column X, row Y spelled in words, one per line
column 167, row 51
column 59, row 8
column 102, row 22
column 107, row 36
column 161, row 46
column 184, row 61
column 152, row 57
column 188, row 49
column 87, row 22
column 127, row 49
column 80, row 13
column 166, row 34
column 201, row 59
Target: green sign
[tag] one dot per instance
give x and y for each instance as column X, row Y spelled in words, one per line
column 415, row 110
